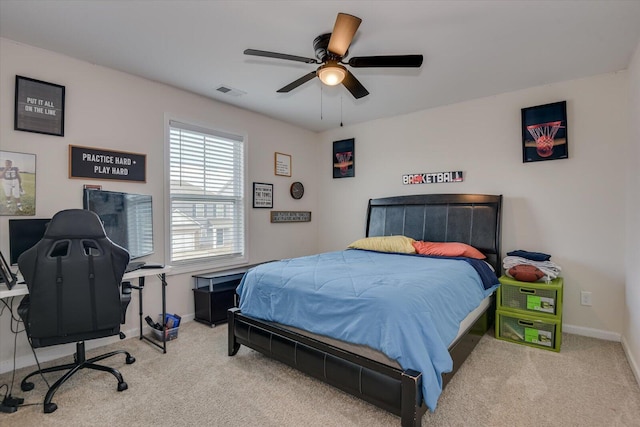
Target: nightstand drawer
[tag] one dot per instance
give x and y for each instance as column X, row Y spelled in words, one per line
column 529, row 330
column 531, row 298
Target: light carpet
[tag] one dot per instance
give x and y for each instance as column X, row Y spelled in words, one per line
column 589, row 383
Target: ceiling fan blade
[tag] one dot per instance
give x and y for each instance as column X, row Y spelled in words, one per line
column 276, row 55
column 354, row 86
column 342, row 35
column 413, row 61
column 297, row 83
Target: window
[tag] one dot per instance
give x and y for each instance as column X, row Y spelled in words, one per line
column 206, row 195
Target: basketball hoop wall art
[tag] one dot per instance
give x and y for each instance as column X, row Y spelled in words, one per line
column 544, row 132
column 344, row 160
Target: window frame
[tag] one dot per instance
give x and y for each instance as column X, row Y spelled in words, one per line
column 214, row 262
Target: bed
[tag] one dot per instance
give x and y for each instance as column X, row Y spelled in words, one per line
column 362, row 371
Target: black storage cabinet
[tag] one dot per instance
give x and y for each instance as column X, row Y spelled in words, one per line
column 214, row 294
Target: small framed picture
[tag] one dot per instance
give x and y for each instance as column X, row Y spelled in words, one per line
column 39, row 107
column 344, row 158
column 544, row 132
column 282, row 164
column 262, row 195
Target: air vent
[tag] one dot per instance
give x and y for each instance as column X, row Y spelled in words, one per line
column 227, row 90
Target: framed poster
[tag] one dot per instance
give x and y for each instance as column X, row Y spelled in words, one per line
column 544, row 132
column 282, row 164
column 344, row 158
column 262, row 195
column 18, row 173
column 39, row 107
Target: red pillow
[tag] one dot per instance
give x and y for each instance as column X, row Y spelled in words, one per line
column 447, row 249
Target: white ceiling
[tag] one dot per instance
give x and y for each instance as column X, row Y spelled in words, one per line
column 472, row 49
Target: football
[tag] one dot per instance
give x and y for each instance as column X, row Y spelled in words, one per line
column 526, row 273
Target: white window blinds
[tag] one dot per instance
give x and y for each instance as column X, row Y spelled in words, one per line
column 206, row 194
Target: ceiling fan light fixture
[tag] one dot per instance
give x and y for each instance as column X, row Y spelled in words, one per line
column 332, row 73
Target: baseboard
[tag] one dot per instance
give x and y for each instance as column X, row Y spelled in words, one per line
column 46, row 354
column 609, row 336
column 632, row 362
column 590, row 332
column 56, row 352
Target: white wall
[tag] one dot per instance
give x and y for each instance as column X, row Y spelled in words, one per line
column 117, row 111
column 572, row 209
column 631, row 335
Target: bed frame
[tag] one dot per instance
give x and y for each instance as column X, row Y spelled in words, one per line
column 470, row 218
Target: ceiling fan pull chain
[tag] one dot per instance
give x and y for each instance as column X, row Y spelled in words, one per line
column 340, row 110
column 321, row 102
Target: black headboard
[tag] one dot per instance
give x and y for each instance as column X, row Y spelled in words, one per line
column 468, row 218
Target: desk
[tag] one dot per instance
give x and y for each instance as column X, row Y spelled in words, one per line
column 141, row 274
column 17, row 290
column 20, row 289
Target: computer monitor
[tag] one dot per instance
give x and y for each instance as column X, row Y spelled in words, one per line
column 23, row 234
column 127, row 218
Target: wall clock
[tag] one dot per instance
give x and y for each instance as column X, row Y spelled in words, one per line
column 297, row 190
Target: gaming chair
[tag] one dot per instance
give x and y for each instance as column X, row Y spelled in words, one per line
column 74, row 277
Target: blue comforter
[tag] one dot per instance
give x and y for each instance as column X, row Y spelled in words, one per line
column 406, row 306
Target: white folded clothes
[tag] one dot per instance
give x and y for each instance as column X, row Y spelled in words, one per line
column 549, row 268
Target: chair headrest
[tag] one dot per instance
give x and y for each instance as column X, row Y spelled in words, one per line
column 72, row 223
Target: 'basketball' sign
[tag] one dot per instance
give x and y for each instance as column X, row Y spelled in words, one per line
column 432, row 177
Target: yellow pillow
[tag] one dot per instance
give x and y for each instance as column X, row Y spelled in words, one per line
column 400, row 244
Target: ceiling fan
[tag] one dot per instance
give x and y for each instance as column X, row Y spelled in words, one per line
column 331, row 49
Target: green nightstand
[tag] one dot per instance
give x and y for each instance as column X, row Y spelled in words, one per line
column 530, row 313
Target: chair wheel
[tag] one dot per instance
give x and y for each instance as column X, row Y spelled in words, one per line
column 122, row 386
column 26, row 386
column 50, row 407
column 130, row 359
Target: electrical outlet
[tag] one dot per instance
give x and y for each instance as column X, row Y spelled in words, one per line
column 585, row 298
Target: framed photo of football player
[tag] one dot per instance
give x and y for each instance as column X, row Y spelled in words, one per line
column 18, row 181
